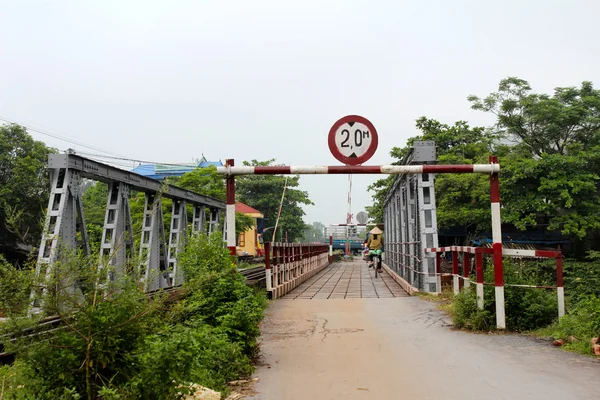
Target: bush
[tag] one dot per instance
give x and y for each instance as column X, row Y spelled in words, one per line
column 466, row 315
column 118, row 343
column 582, row 322
column 526, row 308
column 218, row 295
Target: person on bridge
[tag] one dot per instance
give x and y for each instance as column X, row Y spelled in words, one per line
column 375, row 242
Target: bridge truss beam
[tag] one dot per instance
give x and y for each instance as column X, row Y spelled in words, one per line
column 65, row 218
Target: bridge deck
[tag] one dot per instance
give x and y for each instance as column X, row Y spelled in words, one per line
column 347, row 280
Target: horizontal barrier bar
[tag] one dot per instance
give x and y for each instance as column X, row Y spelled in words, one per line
column 362, row 169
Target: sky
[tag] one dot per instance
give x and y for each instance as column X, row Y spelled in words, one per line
column 168, row 81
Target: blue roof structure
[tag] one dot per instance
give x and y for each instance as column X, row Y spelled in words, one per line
column 162, row 171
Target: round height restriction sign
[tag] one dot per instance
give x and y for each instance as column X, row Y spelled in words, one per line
column 353, row 140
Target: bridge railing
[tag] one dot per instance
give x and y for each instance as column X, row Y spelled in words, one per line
column 287, row 265
column 466, row 253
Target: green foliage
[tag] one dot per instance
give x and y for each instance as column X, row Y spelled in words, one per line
column 15, row 288
column 553, row 173
column 263, row 192
column 543, row 123
column 118, row 343
column 526, row 308
column 550, row 174
column 314, row 233
column 462, row 200
column 94, row 209
column 24, row 186
column 243, row 222
column 206, row 181
column 466, row 315
column 582, row 321
column 380, row 188
column 202, row 180
column 187, row 354
column 582, row 278
column 218, row 295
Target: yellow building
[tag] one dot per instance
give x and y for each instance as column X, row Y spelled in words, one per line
column 248, row 243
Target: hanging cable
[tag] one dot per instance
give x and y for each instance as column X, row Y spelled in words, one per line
column 279, row 212
column 53, row 135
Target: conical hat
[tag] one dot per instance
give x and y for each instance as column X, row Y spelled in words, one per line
column 376, row 231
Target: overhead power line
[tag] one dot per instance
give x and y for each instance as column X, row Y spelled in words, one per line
column 55, row 136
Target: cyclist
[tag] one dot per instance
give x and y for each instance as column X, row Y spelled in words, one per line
column 375, row 242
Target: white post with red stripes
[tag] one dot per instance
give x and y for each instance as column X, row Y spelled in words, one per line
column 455, row 283
column 497, row 246
column 466, row 269
column 230, row 210
column 560, row 286
column 268, row 274
column 479, row 279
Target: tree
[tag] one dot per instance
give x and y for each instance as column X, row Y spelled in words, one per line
column 314, row 233
column 205, row 181
column 263, row 192
column 462, row 200
column 545, row 124
column 552, row 174
column 94, row 208
column 24, row 186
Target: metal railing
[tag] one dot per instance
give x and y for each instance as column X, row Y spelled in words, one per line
column 467, row 251
column 287, row 265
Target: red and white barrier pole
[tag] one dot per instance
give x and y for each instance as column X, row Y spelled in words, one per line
column 497, row 246
column 479, row 279
column 560, row 286
column 438, row 271
column 360, row 169
column 230, row 209
column 466, row 269
column 330, row 248
column 455, row 283
column 268, row 276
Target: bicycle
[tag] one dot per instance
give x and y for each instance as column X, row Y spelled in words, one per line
column 376, row 259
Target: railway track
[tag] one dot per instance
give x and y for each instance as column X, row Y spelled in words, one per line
column 253, row 274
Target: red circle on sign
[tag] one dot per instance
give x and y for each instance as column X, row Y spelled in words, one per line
column 336, row 151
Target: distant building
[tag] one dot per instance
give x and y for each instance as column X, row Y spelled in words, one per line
column 162, row 171
column 248, row 243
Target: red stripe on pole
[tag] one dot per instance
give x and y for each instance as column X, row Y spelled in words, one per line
column 230, row 184
column 494, row 183
column 484, row 250
column 440, row 169
column 349, row 169
column 559, row 271
column 498, row 269
column 272, row 170
column 438, row 263
column 455, row 263
column 547, row 253
column 479, row 267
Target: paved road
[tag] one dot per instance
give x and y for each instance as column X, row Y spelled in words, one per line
column 401, row 348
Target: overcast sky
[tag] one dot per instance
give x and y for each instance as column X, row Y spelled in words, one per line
column 170, row 80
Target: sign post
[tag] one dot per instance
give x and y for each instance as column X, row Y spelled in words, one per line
column 352, row 141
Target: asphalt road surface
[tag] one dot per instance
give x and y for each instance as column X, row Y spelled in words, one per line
column 403, row 348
